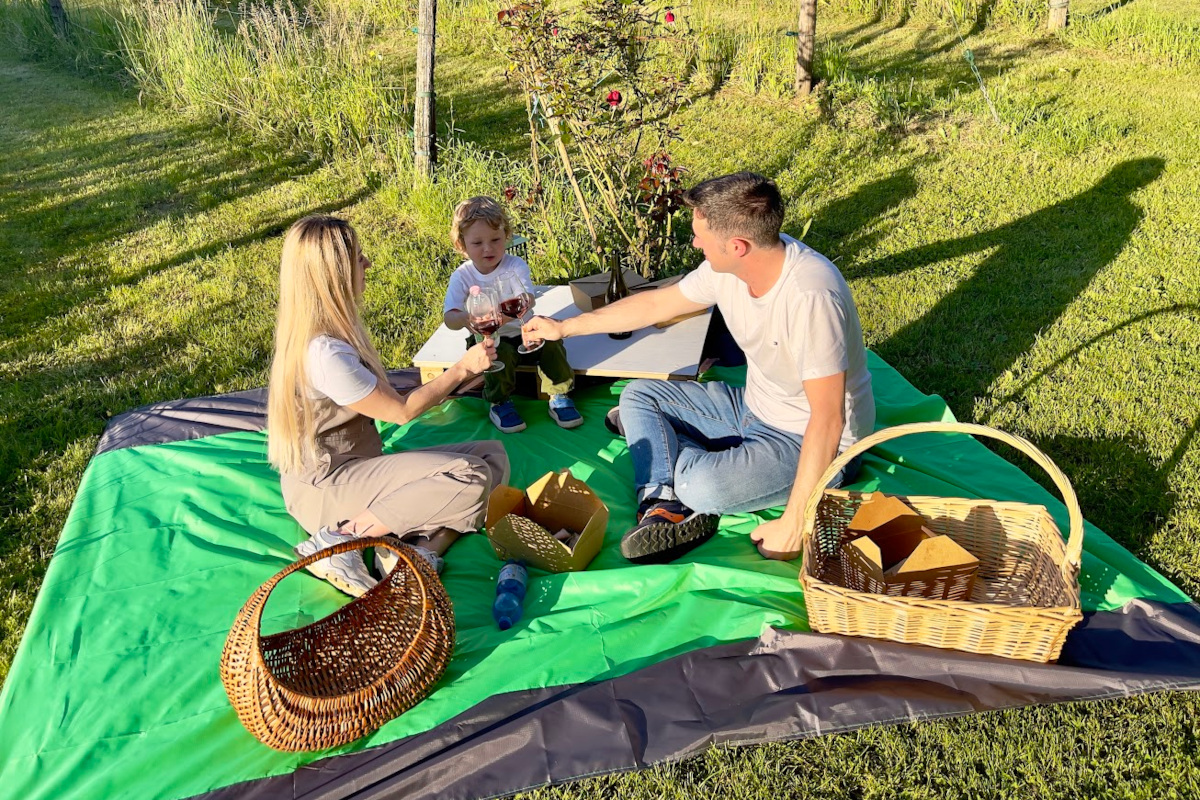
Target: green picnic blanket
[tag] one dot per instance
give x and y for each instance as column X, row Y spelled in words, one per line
column 115, row 691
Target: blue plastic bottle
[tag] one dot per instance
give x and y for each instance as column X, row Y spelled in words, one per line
column 510, row 593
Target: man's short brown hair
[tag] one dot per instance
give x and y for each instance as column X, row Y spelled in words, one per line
column 743, row 204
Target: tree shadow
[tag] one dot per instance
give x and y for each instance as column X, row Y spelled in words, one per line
column 919, row 61
column 1039, row 264
column 51, row 235
column 50, row 409
column 983, row 16
column 479, row 108
column 1103, row 12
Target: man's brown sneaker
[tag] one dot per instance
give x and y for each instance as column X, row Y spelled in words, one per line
column 667, row 530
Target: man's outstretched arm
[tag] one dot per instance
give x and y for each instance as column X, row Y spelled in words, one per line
column 634, row 312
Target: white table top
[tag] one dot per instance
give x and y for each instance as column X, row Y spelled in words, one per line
column 671, row 352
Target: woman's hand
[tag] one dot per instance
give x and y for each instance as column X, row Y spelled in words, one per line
column 480, row 356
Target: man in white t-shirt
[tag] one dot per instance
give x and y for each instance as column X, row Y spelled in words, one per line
column 703, row 449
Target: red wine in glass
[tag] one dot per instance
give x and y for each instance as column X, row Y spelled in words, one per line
column 517, row 305
column 514, row 306
column 485, row 326
column 483, row 317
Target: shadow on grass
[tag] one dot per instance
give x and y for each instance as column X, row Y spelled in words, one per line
column 26, row 421
column 71, row 189
column 1121, row 487
column 844, row 228
column 1103, row 12
column 482, row 109
column 1039, row 264
column 54, row 239
column 1036, row 378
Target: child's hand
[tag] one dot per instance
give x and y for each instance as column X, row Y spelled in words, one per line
column 480, row 356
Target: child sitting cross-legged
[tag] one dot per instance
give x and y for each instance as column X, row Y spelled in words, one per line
column 480, row 231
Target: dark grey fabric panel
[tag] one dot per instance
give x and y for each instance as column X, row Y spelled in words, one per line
column 784, row 686
column 181, row 420
column 196, row 417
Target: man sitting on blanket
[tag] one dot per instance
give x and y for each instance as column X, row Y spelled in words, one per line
column 703, row 449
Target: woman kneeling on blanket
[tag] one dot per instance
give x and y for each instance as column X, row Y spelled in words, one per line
column 327, row 387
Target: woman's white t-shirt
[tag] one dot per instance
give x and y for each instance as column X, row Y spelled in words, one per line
column 336, row 371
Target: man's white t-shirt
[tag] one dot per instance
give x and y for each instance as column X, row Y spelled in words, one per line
column 336, row 371
column 806, row 326
column 466, row 276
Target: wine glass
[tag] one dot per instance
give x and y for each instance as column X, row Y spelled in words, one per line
column 517, row 303
column 483, row 317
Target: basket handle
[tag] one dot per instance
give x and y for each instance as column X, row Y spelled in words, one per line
column 259, row 599
column 1074, row 540
column 358, row 543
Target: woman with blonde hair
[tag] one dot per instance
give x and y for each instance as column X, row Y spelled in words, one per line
column 327, row 387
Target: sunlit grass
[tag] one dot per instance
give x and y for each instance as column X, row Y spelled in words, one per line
column 1039, row 273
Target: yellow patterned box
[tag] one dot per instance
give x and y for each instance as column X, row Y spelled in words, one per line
column 523, row 524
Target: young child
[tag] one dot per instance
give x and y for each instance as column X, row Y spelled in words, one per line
column 480, row 231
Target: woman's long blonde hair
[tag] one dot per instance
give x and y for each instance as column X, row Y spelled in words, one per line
column 319, row 274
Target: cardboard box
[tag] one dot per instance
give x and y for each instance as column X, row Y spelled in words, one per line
column 588, row 291
column 897, row 555
column 521, row 524
column 659, row 284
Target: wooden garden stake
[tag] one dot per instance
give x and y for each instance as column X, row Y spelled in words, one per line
column 1058, row 15
column 806, row 34
column 425, row 109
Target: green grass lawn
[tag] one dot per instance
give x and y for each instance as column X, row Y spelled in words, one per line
column 1041, row 276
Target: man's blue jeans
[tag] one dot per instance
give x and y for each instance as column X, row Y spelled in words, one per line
column 699, row 444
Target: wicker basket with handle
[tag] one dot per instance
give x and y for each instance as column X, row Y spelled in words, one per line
column 1026, row 596
column 343, row 676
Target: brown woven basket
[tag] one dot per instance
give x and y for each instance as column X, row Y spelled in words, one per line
column 343, row 676
column 1026, row 595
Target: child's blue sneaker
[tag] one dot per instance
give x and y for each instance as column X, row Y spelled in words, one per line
column 505, row 417
column 562, row 411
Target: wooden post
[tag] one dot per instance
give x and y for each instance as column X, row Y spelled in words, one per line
column 1058, row 15
column 58, row 16
column 806, row 36
column 425, row 109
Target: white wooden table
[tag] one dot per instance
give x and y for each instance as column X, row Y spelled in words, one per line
column 671, row 353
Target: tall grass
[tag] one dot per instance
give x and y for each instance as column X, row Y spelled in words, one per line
column 1138, row 30
column 284, row 73
column 880, row 101
column 89, row 46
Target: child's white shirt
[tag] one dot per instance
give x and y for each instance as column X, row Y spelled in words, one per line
column 466, row 276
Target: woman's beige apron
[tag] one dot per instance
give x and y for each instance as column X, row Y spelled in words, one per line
column 414, row 491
